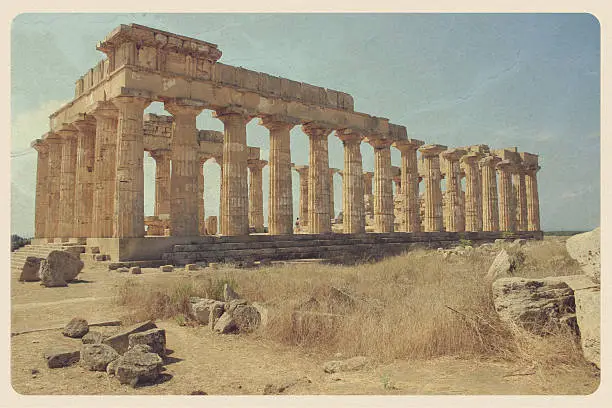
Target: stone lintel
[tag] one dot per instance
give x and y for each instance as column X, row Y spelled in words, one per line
column 529, row 159
column 471, row 157
column 489, row 160
column 397, row 132
column 134, row 93
column 205, row 135
column 432, row 149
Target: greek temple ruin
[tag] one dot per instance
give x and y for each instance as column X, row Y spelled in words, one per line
column 90, row 179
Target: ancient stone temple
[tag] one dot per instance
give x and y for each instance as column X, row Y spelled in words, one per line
column 90, row 180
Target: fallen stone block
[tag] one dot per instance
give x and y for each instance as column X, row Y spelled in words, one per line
column 29, row 272
column 65, row 262
column 50, row 277
column 92, row 337
column 96, row 357
column 505, row 265
column 120, row 341
column 136, row 367
column 62, row 357
column 231, row 305
column 191, row 267
column 123, row 269
column 135, row 270
column 246, row 318
column 585, row 249
column 352, row 364
column 76, row 328
column 166, row 268
column 202, row 310
column 154, row 338
column 588, row 316
column 225, row 324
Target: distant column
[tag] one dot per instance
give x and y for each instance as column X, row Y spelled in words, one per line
column 409, row 174
column 383, row 183
column 67, row 181
column 201, row 210
column 303, row 212
column 453, row 203
column 354, row 209
column 473, row 192
column 507, row 209
column 83, row 206
column 520, row 193
column 490, row 210
column 433, row 192
column 319, row 221
column 42, row 191
column 533, row 201
column 368, row 196
column 332, row 211
column 256, row 217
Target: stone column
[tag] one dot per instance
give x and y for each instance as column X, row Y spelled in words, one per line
column 162, row 181
column 54, row 167
column 433, row 193
column 453, row 203
column 383, row 186
column 533, row 201
column 473, row 192
column 368, row 196
column 332, row 210
column 319, row 221
column 201, row 210
column 409, row 174
column 42, row 191
column 352, row 197
column 129, row 179
column 490, row 210
column 507, row 207
column 234, row 190
column 256, row 218
column 280, row 201
column 86, row 153
column 341, row 173
column 520, row 194
column 104, row 168
column 67, row 181
column 303, row 172
column 219, row 161
column 184, row 216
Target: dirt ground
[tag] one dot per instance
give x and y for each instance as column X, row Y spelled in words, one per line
column 239, row 364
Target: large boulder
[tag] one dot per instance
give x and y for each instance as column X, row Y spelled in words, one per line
column 154, row 338
column 206, row 311
column 120, row 341
column 537, row 305
column 29, row 273
column 246, row 317
column 585, row 248
column 505, row 264
column 96, row 357
column 58, row 357
column 137, row 366
column 50, row 277
column 59, row 267
column 76, row 328
column 588, row 315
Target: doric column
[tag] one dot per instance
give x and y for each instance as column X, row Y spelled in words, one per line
column 42, row 191
column 533, row 201
column 184, row 216
column 280, row 199
column 234, row 190
column 383, row 186
column 256, row 218
column 104, row 169
column 201, row 210
column 162, row 181
column 303, row 212
column 319, row 220
column 86, row 153
column 507, row 206
column 352, row 195
column 520, row 194
column 490, row 210
column 129, row 178
column 433, row 193
column 54, row 169
column 368, row 196
column 341, row 173
column 409, row 174
column 473, row 192
column 219, row 161
column 332, row 210
column 453, row 203
column 67, row 181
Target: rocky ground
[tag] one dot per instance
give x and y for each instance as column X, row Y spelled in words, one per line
column 201, row 361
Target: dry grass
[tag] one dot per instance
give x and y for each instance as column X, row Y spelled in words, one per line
column 415, row 306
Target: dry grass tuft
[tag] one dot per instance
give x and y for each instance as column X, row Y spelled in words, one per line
column 415, row 306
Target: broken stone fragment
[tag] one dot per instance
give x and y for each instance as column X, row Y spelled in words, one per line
column 136, row 366
column 29, row 273
column 225, row 324
column 154, row 338
column 76, row 328
column 96, row 357
column 92, row 337
column 62, row 357
column 352, row 364
column 120, row 340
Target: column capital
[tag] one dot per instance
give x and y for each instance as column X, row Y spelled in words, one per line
column 203, row 158
column 232, row 111
column 274, row 122
column 138, row 102
column 256, row 164
column 316, row 130
column 349, row 136
column 532, row 169
column 379, row 143
column 471, row 158
column 184, row 107
column 453, row 154
column 341, row 173
column 302, row 170
column 368, row 174
column 431, row 150
column 489, row 161
column 40, row 145
column 408, row 144
column 67, row 130
column 505, row 166
column 333, row 171
column 158, row 153
column 85, row 123
column 104, row 109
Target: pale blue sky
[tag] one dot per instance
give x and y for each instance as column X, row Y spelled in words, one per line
column 525, row 80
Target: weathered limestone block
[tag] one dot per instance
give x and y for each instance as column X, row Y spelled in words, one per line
column 50, row 277
column 58, row 357
column 505, row 264
column 585, row 248
column 207, row 311
column 229, row 293
column 135, row 270
column 225, row 324
column 246, row 317
column 97, row 356
column 76, row 328
column 154, row 338
column 68, row 264
column 136, row 366
column 588, row 316
column 351, row 364
column 120, row 340
column 166, row 268
column 537, row 305
column 92, row 337
column 29, row 273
